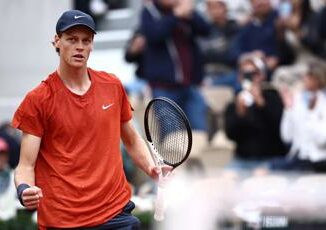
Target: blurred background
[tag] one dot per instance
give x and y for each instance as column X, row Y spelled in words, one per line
column 252, row 85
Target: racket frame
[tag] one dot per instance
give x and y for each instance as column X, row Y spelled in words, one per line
column 155, row 153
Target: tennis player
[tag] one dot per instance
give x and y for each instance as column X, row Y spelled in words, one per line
column 70, row 166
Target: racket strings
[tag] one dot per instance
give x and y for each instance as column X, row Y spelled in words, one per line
column 169, row 132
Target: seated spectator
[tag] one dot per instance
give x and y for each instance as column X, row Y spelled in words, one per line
column 304, row 123
column 260, row 34
column 252, row 121
column 8, row 200
column 219, row 64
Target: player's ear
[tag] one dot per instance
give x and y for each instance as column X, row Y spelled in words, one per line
column 56, row 41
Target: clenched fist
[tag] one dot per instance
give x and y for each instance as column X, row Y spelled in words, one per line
column 31, row 197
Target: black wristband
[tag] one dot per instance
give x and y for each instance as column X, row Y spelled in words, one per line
column 20, row 190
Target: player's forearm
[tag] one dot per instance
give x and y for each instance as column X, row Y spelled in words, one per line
column 24, row 174
column 140, row 154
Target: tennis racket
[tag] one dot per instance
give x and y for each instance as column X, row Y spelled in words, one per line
column 169, row 137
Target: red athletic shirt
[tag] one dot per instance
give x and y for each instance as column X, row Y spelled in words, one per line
column 79, row 165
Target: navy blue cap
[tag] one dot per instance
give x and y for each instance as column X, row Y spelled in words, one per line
column 72, row 18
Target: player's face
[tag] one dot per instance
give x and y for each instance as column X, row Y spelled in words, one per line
column 75, row 46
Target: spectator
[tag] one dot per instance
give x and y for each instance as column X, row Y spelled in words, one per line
column 311, row 26
column 253, row 119
column 260, row 35
column 134, row 53
column 172, row 60
column 219, row 64
column 322, row 27
column 8, row 198
column 135, row 50
column 297, row 21
column 304, row 123
column 302, row 28
column 11, row 136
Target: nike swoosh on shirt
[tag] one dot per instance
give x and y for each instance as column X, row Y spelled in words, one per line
column 105, row 107
column 76, row 17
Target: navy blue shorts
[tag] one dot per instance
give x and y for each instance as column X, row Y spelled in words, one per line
column 123, row 221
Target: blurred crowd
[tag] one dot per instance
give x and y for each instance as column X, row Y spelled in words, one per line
column 269, row 53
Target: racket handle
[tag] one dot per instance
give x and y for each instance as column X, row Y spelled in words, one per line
column 159, row 204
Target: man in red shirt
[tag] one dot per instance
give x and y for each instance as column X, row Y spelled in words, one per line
column 70, row 166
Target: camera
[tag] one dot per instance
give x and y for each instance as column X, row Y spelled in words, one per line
column 246, row 86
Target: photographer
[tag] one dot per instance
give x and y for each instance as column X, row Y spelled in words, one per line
column 252, row 121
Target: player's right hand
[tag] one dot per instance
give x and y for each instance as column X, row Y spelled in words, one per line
column 31, row 197
column 156, row 171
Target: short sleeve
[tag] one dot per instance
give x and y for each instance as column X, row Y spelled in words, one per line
column 126, row 109
column 29, row 116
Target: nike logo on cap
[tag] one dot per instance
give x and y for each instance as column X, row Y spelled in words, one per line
column 105, row 107
column 81, row 16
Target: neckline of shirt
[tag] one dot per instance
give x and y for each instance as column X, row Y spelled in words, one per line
column 66, row 89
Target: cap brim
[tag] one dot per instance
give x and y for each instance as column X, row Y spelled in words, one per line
column 77, row 24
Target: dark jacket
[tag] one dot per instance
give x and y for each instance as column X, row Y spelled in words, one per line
column 216, row 47
column 135, row 58
column 257, row 134
column 258, row 36
column 313, row 33
column 161, row 60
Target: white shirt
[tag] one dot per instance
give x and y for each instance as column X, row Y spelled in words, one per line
column 306, row 128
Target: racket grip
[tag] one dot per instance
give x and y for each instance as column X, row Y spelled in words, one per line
column 159, row 204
